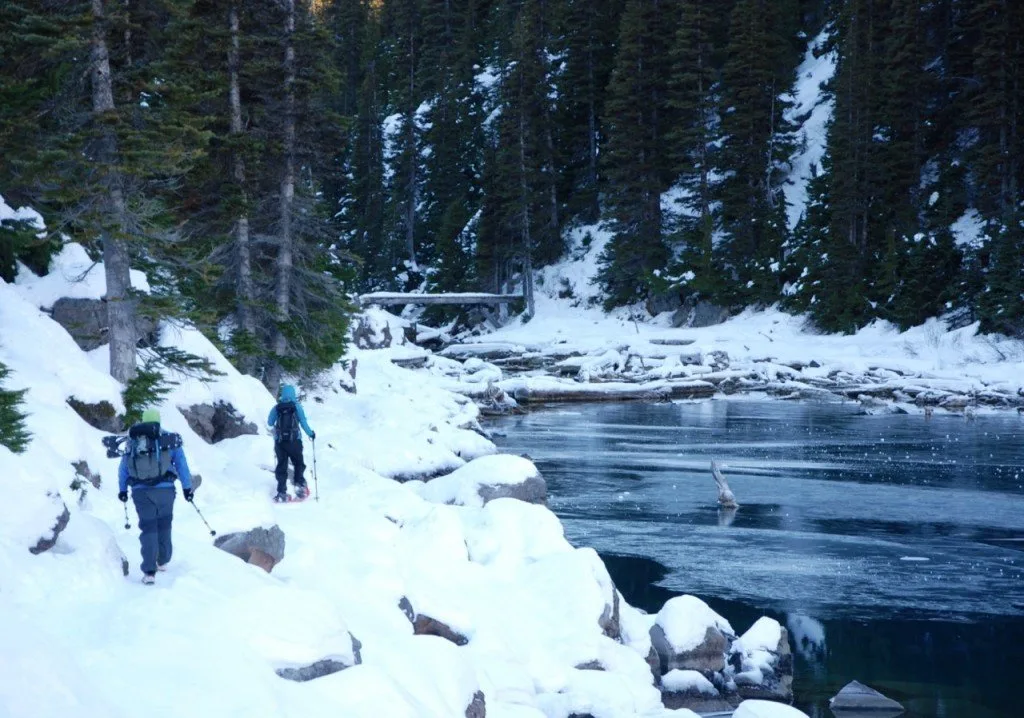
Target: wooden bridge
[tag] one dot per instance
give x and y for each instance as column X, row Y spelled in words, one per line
column 385, row 299
column 391, row 298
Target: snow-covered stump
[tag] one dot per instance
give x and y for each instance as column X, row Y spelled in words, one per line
column 763, row 662
column 485, row 479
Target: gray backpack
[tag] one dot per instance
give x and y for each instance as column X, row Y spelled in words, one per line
column 149, row 455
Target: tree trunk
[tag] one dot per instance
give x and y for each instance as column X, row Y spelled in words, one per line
column 246, row 293
column 282, row 293
column 120, row 305
column 410, row 148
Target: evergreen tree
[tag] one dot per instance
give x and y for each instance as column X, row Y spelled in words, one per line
column 692, row 93
column 752, row 160
column 589, row 55
column 635, row 164
column 13, row 433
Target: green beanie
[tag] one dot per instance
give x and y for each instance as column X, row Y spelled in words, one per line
column 151, row 416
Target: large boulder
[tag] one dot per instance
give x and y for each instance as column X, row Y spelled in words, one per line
column 764, row 662
column 487, row 478
column 260, row 546
column 100, row 415
column 699, row 314
column 84, row 319
column 856, row 698
column 688, row 635
column 48, row 539
column 87, row 323
column 216, row 422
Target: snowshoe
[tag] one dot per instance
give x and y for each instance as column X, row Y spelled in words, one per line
column 282, row 498
column 301, row 492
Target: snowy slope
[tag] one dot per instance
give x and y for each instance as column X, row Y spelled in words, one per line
column 78, row 638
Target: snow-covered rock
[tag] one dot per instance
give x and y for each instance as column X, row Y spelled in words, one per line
column 260, row 546
column 688, row 635
column 765, row 661
column 485, row 479
column 855, row 697
column 216, row 422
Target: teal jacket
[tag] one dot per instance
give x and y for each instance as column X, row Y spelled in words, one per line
column 288, row 396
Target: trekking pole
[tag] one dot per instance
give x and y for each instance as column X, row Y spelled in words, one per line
column 212, row 532
column 316, row 484
column 127, row 524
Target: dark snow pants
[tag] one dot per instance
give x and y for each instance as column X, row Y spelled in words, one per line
column 156, row 510
column 285, row 450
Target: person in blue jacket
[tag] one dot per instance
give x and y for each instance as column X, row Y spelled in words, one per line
column 153, row 461
column 286, row 418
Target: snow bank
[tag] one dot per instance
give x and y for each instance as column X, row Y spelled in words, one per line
column 537, row 613
column 766, row 709
column 72, row 274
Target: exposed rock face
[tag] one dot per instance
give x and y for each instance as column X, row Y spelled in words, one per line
column 261, row 547
column 699, row 314
column 856, row 696
column 609, row 620
column 370, row 332
column 533, row 490
column 424, row 625
column 83, row 471
column 405, row 606
column 217, row 422
column 477, row 707
column 708, row 657
column 45, row 543
column 323, row 667
column 86, row 321
column 102, row 415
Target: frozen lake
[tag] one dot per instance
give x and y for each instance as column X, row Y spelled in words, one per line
column 892, row 546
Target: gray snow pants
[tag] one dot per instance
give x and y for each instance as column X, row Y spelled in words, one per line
column 156, row 510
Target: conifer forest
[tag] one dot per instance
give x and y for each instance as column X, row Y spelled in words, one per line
column 266, row 160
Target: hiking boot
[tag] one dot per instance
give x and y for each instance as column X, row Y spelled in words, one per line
column 149, row 579
column 301, row 491
column 161, row 567
column 282, row 498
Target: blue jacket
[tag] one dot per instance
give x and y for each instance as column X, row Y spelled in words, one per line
column 299, row 413
column 178, row 463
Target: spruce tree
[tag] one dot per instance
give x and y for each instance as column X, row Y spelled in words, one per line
column 635, row 159
column 692, row 93
column 754, row 149
column 13, row 433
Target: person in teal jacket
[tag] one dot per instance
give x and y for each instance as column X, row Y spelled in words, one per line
column 286, row 419
column 153, row 462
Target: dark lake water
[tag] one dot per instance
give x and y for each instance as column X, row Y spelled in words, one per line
column 891, row 546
